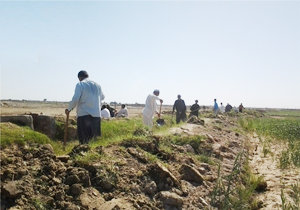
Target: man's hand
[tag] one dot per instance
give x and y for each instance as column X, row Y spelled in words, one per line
column 67, row 111
column 161, row 101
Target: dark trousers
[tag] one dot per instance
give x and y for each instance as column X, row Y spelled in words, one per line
column 180, row 116
column 88, row 127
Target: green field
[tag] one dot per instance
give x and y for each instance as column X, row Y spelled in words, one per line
column 287, row 113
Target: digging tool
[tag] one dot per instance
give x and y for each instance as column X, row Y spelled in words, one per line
column 66, row 130
column 160, row 121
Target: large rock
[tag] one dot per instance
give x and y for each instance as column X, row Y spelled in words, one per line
column 22, row 120
column 75, row 190
column 164, row 179
column 170, row 199
column 45, row 124
column 10, row 190
column 91, row 199
column 150, row 188
column 191, row 174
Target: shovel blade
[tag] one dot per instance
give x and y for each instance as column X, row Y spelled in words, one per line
column 160, row 121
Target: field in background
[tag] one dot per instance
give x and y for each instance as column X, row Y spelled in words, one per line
column 14, row 107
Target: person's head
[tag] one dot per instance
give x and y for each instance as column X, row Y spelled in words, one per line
column 156, row 92
column 82, row 75
column 215, row 100
column 103, row 107
column 123, row 106
column 196, row 101
column 179, row 96
column 221, row 103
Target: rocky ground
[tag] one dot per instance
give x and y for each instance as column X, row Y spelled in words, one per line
column 138, row 173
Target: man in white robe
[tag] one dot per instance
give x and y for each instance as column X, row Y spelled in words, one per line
column 151, row 108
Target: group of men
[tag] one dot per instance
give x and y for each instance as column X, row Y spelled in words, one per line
column 108, row 112
column 88, row 97
column 228, row 108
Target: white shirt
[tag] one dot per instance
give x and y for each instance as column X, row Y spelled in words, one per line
column 222, row 108
column 105, row 113
column 150, row 106
column 123, row 112
column 88, row 96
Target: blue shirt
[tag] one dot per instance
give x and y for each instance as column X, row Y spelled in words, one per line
column 216, row 107
column 87, row 97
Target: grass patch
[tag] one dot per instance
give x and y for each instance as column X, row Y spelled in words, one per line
column 194, row 141
column 89, row 157
column 14, row 134
column 151, row 158
column 205, row 159
column 236, row 190
column 114, row 131
column 294, row 195
column 287, row 113
column 287, row 130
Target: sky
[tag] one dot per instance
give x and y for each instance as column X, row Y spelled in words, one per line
column 234, row 51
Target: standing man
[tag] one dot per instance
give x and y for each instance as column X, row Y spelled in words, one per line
column 151, row 108
column 228, row 108
column 87, row 97
column 180, row 107
column 195, row 109
column 222, row 108
column 216, row 107
column 241, row 107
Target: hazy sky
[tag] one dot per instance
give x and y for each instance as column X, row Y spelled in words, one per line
column 235, row 51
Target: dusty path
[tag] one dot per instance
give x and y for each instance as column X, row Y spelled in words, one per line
column 276, row 178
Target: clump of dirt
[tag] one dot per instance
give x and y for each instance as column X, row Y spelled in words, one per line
column 195, row 120
column 141, row 132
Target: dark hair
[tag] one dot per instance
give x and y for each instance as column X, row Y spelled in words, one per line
column 123, row 106
column 103, row 107
column 83, row 74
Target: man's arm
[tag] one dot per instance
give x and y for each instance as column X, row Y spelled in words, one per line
column 184, row 105
column 174, row 106
column 76, row 97
column 101, row 93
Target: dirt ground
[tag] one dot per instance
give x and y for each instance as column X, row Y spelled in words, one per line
column 127, row 177
column 268, row 166
column 134, row 174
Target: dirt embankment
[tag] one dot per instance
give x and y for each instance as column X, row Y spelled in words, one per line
column 147, row 173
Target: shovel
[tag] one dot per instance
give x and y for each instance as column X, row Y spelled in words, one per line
column 160, row 121
column 66, row 131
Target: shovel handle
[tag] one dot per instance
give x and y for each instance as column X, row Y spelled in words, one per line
column 66, row 129
column 160, row 109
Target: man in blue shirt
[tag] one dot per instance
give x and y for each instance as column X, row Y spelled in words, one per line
column 216, row 107
column 87, row 97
